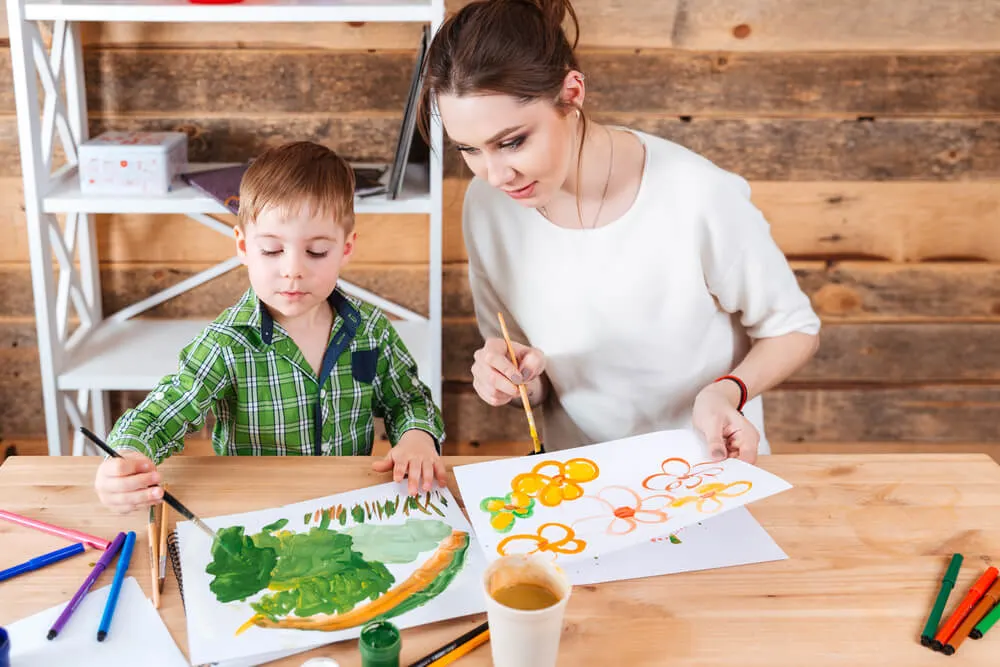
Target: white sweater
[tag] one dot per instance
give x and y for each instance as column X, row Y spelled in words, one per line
column 637, row 316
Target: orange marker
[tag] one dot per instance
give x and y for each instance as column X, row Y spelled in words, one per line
column 964, row 607
column 989, row 599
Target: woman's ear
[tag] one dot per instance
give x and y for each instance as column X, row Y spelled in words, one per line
column 573, row 90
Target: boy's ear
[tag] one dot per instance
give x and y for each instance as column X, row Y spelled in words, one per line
column 349, row 245
column 241, row 243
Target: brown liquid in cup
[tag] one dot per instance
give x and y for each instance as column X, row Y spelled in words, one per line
column 526, row 597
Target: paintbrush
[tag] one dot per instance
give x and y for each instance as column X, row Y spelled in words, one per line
column 521, row 388
column 167, row 496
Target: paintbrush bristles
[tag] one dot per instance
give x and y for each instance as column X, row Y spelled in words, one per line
column 522, row 390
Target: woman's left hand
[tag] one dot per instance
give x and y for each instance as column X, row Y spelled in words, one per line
column 728, row 433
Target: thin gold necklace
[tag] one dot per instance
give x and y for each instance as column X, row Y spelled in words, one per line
column 607, row 182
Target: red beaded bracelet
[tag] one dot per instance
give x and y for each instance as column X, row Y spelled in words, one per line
column 744, row 393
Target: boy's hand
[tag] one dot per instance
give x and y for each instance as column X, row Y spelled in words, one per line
column 415, row 457
column 494, row 376
column 128, row 483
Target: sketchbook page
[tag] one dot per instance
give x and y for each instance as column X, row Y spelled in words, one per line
column 590, row 501
column 730, row 539
column 314, row 572
column 137, row 635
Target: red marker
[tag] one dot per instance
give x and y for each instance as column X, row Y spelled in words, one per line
column 965, row 606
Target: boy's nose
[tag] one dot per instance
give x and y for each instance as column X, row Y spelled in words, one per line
column 292, row 266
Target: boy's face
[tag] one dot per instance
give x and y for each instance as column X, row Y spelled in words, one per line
column 293, row 260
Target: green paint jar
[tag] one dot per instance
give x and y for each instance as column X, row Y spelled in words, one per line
column 380, row 643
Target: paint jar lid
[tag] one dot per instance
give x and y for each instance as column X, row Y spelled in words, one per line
column 320, row 662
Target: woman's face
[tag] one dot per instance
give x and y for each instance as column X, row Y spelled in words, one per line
column 524, row 149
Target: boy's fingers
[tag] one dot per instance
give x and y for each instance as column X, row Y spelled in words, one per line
column 440, row 473
column 131, row 483
column 142, row 498
column 428, row 474
column 398, row 471
column 383, row 465
column 413, row 473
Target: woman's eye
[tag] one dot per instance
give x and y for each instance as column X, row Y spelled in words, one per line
column 513, row 144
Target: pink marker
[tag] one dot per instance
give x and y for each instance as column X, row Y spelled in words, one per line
column 68, row 533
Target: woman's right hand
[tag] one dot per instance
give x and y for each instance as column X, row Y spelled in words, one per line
column 495, row 378
column 127, row 483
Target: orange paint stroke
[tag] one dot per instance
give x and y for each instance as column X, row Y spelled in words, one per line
column 677, row 472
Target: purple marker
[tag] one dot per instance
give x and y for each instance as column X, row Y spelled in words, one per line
column 88, row 583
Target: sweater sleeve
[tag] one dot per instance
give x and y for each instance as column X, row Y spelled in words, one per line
column 745, row 269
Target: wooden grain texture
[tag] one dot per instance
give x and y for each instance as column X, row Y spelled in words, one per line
column 955, row 411
column 812, row 149
column 873, row 353
column 991, row 449
column 853, row 291
column 932, row 414
column 259, row 81
column 885, row 291
column 898, row 221
column 203, row 447
column 783, row 149
column 751, row 25
column 815, row 25
column 867, row 539
column 213, row 81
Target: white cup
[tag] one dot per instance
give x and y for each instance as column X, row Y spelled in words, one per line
column 523, row 638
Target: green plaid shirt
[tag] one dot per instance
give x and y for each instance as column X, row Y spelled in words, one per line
column 268, row 402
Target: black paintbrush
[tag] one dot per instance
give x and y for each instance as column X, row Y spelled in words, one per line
column 168, row 498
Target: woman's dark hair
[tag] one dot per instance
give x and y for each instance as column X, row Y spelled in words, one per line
column 507, row 47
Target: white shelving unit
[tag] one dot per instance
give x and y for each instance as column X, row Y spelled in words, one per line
column 121, row 351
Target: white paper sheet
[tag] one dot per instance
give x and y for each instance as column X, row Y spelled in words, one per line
column 213, row 625
column 137, row 635
column 591, row 501
column 729, row 539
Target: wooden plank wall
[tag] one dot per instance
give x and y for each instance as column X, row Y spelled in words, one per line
column 869, row 129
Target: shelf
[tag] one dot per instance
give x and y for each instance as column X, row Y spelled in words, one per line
column 65, row 197
column 248, row 11
column 136, row 354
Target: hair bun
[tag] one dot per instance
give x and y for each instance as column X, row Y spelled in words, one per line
column 554, row 13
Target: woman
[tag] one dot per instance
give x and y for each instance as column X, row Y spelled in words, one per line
column 641, row 286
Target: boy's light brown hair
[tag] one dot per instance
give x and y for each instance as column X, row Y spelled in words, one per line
column 296, row 175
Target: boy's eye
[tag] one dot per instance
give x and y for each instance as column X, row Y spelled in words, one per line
column 269, row 253
column 317, row 254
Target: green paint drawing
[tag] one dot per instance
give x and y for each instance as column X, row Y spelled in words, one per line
column 398, row 544
column 329, row 579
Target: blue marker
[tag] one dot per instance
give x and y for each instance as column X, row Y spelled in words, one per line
column 42, row 561
column 116, row 585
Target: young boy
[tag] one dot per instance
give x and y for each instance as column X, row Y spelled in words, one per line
column 296, row 367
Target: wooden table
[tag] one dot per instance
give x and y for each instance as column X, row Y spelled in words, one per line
column 868, row 538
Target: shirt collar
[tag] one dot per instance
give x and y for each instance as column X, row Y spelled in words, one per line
column 251, row 312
